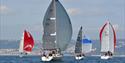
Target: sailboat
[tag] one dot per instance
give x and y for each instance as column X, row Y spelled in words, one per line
column 57, row 31
column 108, row 41
column 78, row 47
column 83, row 46
column 26, row 44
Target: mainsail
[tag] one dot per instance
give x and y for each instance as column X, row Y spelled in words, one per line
column 27, row 43
column 57, row 27
column 78, row 46
column 86, row 45
column 107, row 38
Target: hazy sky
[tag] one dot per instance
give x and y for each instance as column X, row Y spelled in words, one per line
column 17, row 15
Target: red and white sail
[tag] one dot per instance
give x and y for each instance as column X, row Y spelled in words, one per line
column 27, row 43
column 107, row 38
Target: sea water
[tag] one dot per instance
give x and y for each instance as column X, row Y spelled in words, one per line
column 65, row 59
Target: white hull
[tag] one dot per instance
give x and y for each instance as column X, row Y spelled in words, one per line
column 106, row 57
column 22, row 54
column 79, row 58
column 49, row 58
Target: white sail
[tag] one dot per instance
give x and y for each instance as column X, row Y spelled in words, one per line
column 111, row 47
column 86, row 48
column 21, row 44
column 105, row 39
column 86, row 45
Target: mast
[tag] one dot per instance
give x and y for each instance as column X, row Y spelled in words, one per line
column 49, row 24
column 55, row 24
column 54, row 19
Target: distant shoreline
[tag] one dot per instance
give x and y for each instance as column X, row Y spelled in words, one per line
column 7, row 40
column 15, row 52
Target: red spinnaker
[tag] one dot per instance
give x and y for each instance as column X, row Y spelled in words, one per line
column 28, row 42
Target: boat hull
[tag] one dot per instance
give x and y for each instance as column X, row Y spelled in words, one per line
column 49, row 58
column 20, row 55
column 23, row 54
column 106, row 57
column 79, row 57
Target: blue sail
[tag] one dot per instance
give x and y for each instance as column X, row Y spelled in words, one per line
column 86, row 40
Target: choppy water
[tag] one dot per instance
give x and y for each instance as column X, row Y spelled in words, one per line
column 66, row 59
